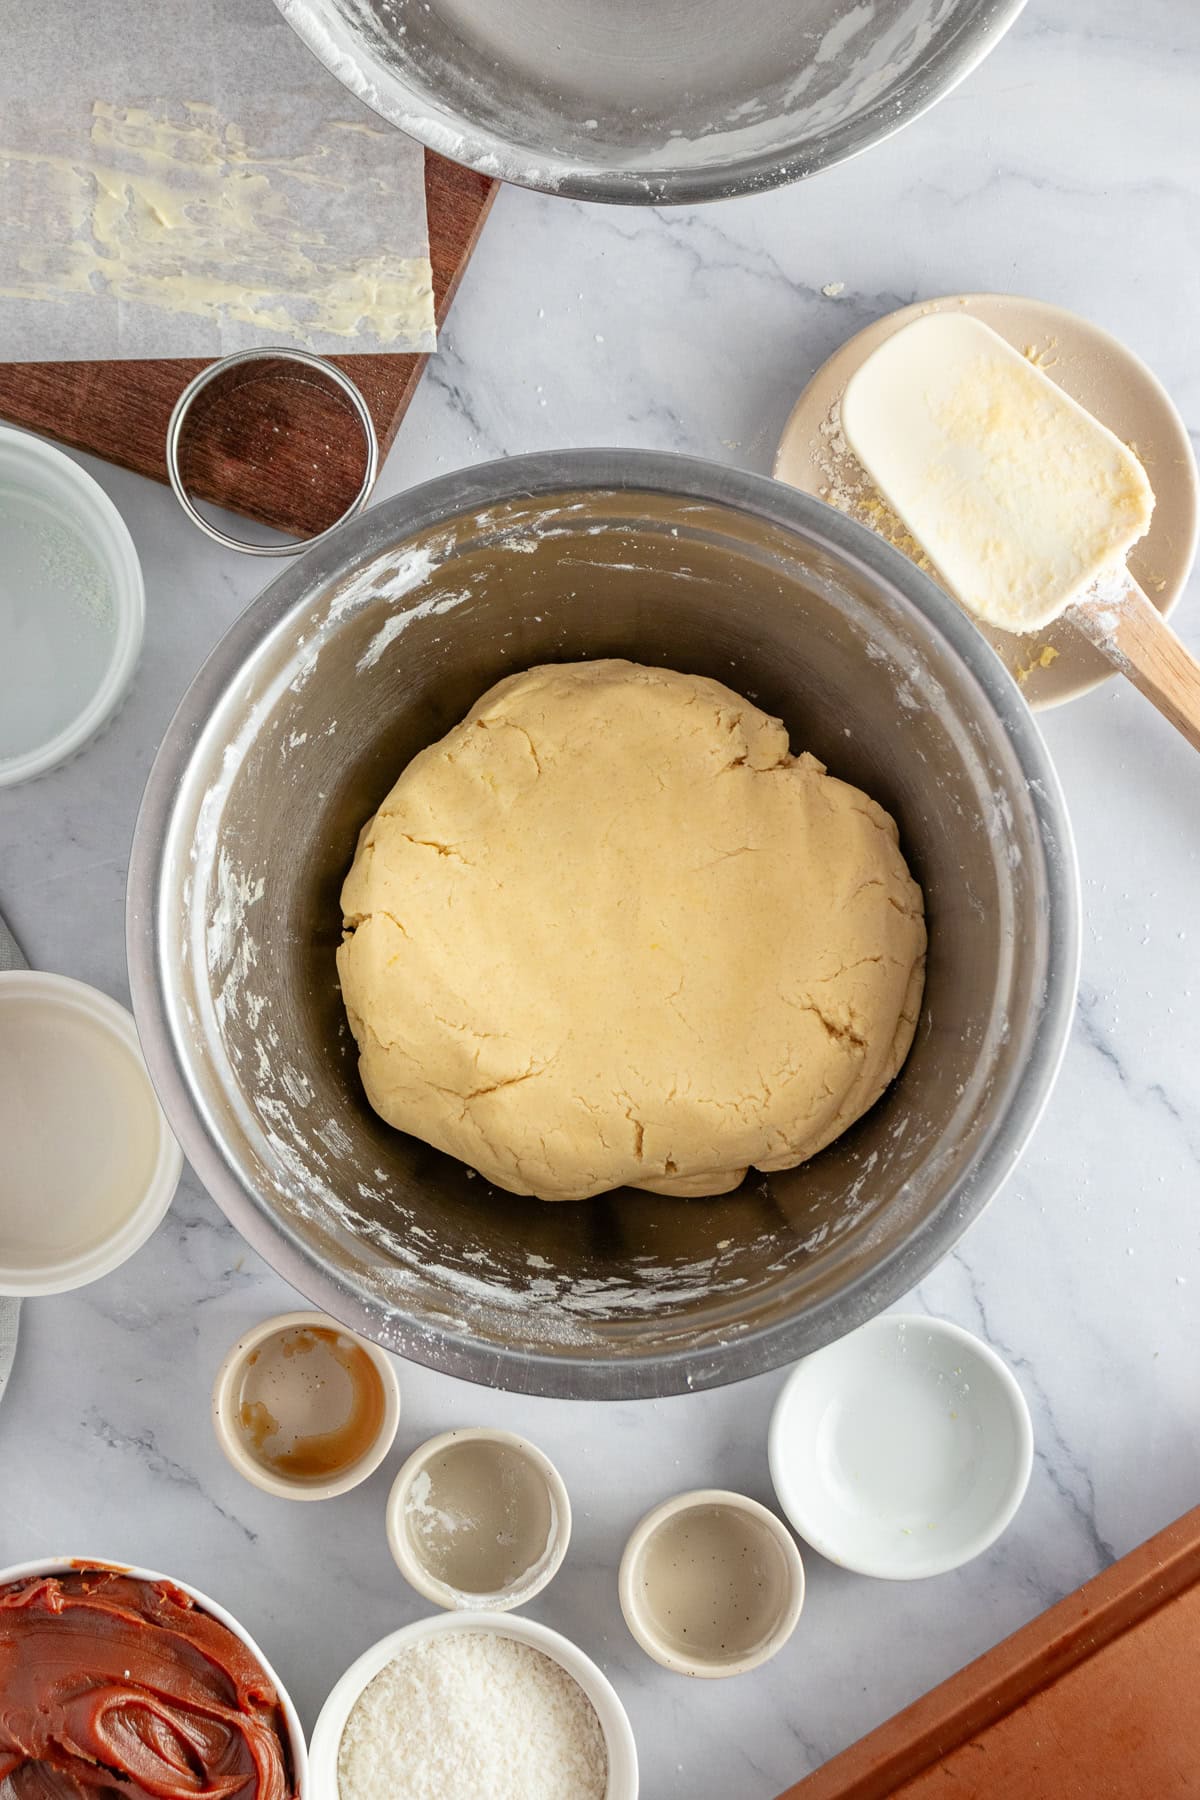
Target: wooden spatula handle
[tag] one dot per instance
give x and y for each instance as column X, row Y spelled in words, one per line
column 1125, row 626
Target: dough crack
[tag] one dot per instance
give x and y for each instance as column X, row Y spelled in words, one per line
column 862, row 888
column 880, row 820
column 512, row 725
column 508, row 1081
column 727, row 855
column 388, row 1044
column 859, row 962
column 482, row 1037
column 450, row 850
column 351, row 924
column 639, row 1129
column 839, row 1033
column 672, row 1001
column 537, row 761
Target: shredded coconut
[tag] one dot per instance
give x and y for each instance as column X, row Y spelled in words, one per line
column 471, row 1713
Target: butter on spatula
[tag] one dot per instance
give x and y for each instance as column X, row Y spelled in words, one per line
column 1026, row 504
column 1019, row 496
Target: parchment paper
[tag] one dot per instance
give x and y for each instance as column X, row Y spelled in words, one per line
column 182, row 178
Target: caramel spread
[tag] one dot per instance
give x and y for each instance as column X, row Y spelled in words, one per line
column 110, row 1685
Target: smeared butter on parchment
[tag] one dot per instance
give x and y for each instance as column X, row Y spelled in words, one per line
column 176, row 209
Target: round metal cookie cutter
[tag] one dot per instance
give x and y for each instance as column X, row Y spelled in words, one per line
column 214, row 372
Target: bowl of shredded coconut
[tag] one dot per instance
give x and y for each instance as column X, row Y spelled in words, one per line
column 466, row 1704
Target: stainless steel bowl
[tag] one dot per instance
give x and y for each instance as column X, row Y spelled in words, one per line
column 675, row 100
column 374, row 645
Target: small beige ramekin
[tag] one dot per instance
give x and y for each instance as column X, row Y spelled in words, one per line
column 232, row 1440
column 540, row 1572
column 785, row 1570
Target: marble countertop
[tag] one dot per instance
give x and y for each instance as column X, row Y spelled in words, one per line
column 1066, row 167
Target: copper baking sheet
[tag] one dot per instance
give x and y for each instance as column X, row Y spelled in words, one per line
column 1098, row 1699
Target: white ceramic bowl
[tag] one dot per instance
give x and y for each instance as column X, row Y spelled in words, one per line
column 406, row 1548
column 64, row 1565
column 773, row 1568
column 225, row 1393
column 902, row 1450
column 48, row 492
column 614, row 1722
column 81, row 1124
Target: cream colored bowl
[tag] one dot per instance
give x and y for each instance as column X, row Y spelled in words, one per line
column 232, row 1436
column 478, row 1519
column 88, row 1165
column 711, row 1584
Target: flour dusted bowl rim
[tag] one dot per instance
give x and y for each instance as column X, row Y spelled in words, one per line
column 532, row 108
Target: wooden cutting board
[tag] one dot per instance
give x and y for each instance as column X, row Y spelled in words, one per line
column 299, row 478
column 1099, row 1699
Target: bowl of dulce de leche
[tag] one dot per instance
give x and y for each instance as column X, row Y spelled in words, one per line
column 117, row 1681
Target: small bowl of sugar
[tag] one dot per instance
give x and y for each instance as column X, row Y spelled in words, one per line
column 464, row 1704
column 478, row 1519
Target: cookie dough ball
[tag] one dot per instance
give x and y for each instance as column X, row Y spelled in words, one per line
column 610, row 930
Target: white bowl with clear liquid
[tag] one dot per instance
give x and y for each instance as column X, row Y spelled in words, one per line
column 88, row 1163
column 72, row 607
column 902, row 1450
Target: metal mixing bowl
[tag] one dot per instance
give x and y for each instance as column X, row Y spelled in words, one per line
column 675, row 100
column 372, row 646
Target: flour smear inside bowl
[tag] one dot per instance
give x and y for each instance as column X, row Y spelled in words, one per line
column 468, row 1714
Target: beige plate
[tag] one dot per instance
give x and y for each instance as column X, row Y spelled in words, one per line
column 1094, row 369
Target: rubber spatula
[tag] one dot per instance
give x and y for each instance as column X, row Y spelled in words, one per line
column 1024, row 502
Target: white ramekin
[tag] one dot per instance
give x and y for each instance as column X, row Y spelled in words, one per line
column 614, row 1722
column 534, row 1579
column 70, row 1565
column 30, row 464
column 902, row 1450
column 639, row 1616
column 62, row 996
column 232, row 1441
